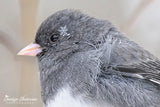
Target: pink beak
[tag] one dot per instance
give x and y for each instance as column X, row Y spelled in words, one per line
column 31, row 50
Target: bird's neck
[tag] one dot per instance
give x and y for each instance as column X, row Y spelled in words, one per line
column 51, row 78
column 74, row 72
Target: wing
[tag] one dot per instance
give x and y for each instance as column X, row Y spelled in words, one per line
column 129, row 59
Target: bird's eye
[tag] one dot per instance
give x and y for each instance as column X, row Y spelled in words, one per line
column 54, row 37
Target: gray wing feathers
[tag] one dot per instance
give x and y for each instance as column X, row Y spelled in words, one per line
column 127, row 57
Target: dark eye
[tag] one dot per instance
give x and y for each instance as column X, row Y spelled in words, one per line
column 54, row 37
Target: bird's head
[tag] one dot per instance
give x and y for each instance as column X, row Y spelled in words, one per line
column 67, row 32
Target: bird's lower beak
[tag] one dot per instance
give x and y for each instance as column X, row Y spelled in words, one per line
column 31, row 50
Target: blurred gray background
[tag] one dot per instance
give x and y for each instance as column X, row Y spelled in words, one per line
column 139, row 20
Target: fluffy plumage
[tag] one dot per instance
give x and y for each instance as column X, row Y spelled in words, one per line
column 96, row 62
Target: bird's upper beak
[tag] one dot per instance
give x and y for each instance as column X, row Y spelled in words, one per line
column 31, row 50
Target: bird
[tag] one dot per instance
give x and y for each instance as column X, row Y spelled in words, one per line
column 87, row 62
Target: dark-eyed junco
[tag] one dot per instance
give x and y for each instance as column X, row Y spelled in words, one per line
column 87, row 62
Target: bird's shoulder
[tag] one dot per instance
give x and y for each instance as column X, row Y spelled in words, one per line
column 129, row 59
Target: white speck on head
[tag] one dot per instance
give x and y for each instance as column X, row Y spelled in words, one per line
column 63, row 31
